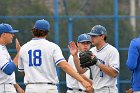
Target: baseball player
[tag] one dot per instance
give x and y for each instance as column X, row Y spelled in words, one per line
column 105, row 71
column 7, row 65
column 133, row 63
column 38, row 59
column 73, row 86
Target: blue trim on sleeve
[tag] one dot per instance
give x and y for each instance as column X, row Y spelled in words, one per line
column 59, row 60
column 10, row 68
column 116, row 69
column 4, row 66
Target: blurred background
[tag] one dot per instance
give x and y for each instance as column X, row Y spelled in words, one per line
column 70, row 18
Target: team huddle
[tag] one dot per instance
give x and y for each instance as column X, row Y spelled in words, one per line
column 88, row 70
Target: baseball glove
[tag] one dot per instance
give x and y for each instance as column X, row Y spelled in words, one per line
column 87, row 59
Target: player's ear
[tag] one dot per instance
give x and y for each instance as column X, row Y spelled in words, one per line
column 103, row 36
column 3, row 34
column 77, row 44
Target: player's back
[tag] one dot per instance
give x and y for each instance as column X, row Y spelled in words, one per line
column 38, row 58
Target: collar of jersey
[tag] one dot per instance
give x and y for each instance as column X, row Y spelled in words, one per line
column 37, row 38
column 2, row 45
column 102, row 47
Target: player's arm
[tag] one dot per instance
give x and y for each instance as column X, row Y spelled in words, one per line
column 129, row 91
column 74, row 52
column 87, row 79
column 20, row 65
column 133, row 55
column 77, row 65
column 15, row 60
column 18, row 88
column 108, row 70
column 68, row 69
column 112, row 69
column 9, row 67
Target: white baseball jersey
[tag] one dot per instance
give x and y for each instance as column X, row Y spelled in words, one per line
column 71, row 82
column 109, row 56
column 38, row 59
column 4, row 61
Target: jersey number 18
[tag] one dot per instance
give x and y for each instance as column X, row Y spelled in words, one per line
column 34, row 58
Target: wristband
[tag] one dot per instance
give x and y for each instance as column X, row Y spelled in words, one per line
column 98, row 63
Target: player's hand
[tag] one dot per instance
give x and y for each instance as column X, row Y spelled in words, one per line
column 20, row 90
column 129, row 91
column 17, row 45
column 88, row 86
column 73, row 48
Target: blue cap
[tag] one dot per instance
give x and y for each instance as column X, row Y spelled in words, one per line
column 84, row 38
column 98, row 30
column 6, row 28
column 42, row 25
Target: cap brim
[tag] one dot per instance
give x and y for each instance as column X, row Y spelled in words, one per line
column 14, row 31
column 93, row 34
column 84, row 41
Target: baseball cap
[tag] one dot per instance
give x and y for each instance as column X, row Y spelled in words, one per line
column 6, row 28
column 42, row 25
column 98, row 30
column 84, row 38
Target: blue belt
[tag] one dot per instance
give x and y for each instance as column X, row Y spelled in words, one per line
column 76, row 89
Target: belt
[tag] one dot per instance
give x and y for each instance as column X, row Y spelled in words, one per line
column 41, row 83
column 76, row 89
column 7, row 83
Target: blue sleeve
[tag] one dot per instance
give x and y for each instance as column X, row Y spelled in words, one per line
column 133, row 55
column 9, row 68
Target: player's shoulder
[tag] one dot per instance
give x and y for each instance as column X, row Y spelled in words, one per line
column 25, row 45
column 53, row 45
column 2, row 47
column 136, row 41
column 70, row 56
column 70, row 59
column 93, row 49
column 111, row 48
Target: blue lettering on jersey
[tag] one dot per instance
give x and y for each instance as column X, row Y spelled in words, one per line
column 35, row 57
column 101, row 72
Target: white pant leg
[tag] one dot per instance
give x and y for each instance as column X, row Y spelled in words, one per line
column 136, row 92
column 72, row 91
column 41, row 88
column 106, row 90
column 52, row 89
column 7, row 88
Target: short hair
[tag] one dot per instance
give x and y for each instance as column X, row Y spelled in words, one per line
column 105, row 38
column 39, row 33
